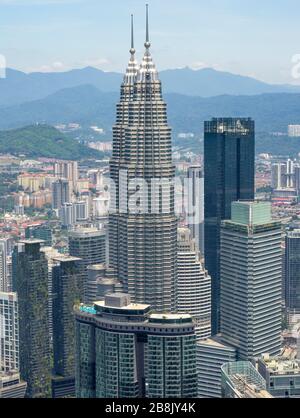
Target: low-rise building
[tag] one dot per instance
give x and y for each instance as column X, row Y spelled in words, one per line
column 240, row 379
column 211, row 355
column 282, row 376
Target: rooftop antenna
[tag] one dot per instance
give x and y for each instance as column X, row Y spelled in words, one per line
column 132, row 49
column 147, row 43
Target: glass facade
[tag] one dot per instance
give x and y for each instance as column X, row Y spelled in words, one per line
column 126, row 356
column 292, row 272
column 229, row 154
column 251, row 282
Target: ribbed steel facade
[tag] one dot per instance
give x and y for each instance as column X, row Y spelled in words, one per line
column 143, row 244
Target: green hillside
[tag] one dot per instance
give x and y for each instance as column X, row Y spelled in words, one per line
column 43, row 141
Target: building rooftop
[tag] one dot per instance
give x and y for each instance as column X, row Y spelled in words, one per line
column 131, row 306
column 216, row 342
column 65, row 258
column 86, row 232
column 278, row 365
column 251, row 212
column 97, row 267
column 166, row 316
column 31, row 241
column 242, row 379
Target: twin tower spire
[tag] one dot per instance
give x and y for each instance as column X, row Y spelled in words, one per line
column 147, row 42
column 147, row 70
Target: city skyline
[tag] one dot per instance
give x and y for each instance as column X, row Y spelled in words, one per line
column 164, row 265
column 229, row 44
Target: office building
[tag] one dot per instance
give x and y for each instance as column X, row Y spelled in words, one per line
column 88, row 244
column 50, row 254
column 61, row 193
column 193, row 285
column 30, row 271
column 229, row 154
column 3, row 266
column 101, row 281
column 66, row 293
column 292, row 273
column 251, row 280
column 11, row 386
column 124, row 350
column 282, row 376
column 81, row 210
column 9, row 332
column 283, row 175
column 42, row 232
column 143, row 230
column 211, row 355
column 67, row 215
column 67, row 170
column 241, row 380
column 196, row 205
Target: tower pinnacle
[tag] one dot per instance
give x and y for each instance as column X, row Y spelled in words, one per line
column 147, row 43
column 132, row 49
column 132, row 67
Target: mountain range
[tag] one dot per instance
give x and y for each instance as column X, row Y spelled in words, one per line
column 88, row 97
column 19, row 87
column 89, row 106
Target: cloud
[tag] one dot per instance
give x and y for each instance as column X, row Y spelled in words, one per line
column 51, row 68
column 98, row 62
column 58, row 66
column 199, row 65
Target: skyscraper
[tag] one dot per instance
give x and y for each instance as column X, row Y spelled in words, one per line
column 88, row 244
column 30, row 271
column 11, row 386
column 196, row 205
column 50, row 254
column 66, row 293
column 143, row 229
column 61, row 193
column 3, row 266
column 251, row 280
column 229, row 152
column 193, row 285
column 9, row 332
column 42, row 232
column 292, row 273
column 124, row 350
column 67, row 215
column 211, row 355
column 67, row 170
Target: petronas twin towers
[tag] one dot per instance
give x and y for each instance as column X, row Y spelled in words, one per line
column 143, row 225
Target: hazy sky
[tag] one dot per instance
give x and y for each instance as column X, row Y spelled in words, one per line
column 250, row 37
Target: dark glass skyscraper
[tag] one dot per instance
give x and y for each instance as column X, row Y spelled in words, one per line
column 229, row 156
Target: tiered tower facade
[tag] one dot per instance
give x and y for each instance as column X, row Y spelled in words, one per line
column 143, row 230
